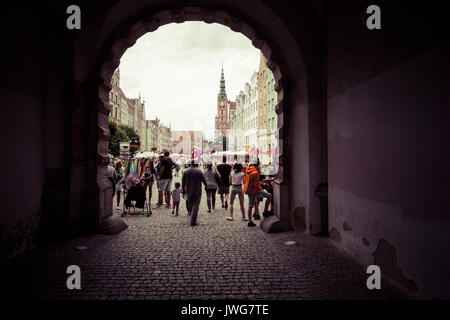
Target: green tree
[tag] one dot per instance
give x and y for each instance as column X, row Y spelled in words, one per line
column 131, row 133
column 120, row 133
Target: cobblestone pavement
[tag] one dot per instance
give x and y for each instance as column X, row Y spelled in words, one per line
column 163, row 257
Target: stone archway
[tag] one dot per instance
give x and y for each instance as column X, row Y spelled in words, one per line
column 283, row 58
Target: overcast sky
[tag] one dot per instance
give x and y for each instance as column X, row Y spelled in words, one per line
column 176, row 69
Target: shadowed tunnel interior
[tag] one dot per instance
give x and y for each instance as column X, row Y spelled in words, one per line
column 362, row 117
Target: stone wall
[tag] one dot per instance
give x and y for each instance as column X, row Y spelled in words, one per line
column 387, row 128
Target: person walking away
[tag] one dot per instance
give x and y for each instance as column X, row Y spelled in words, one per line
column 111, row 176
column 150, row 177
column 237, row 177
column 165, row 175
column 254, row 191
column 192, row 187
column 224, row 170
column 184, row 168
column 176, row 198
column 119, row 176
column 158, row 180
column 188, row 207
column 210, row 176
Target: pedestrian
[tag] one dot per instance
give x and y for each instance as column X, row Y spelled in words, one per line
column 186, row 166
column 192, row 187
column 111, row 175
column 158, row 165
column 119, row 175
column 158, row 179
column 224, row 170
column 266, row 182
column 150, row 176
column 212, row 185
column 176, row 198
column 237, row 177
column 254, row 191
column 165, row 175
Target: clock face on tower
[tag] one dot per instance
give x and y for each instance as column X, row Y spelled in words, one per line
column 222, row 103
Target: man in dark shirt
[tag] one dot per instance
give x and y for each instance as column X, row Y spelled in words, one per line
column 165, row 175
column 224, row 171
column 192, row 187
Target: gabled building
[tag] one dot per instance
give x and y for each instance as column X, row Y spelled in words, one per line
column 115, row 97
column 262, row 110
column 251, row 115
column 123, row 108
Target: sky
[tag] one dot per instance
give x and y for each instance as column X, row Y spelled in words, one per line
column 176, row 70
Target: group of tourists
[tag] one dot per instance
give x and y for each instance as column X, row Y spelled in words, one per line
column 229, row 181
column 220, row 179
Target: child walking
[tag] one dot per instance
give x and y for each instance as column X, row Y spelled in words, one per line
column 176, row 198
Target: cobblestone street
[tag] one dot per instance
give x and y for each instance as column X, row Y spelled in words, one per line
column 163, row 257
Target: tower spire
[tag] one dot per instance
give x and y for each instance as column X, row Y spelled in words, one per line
column 222, row 92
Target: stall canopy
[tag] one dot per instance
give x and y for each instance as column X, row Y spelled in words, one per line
column 146, row 154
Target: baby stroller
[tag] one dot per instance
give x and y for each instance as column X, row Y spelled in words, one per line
column 135, row 197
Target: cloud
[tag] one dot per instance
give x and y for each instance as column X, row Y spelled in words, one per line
column 176, row 69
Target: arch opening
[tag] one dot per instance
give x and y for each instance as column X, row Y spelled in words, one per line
column 282, row 58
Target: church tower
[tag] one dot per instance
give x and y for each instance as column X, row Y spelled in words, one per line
column 222, row 123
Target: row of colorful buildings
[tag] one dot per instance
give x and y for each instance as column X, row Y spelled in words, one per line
column 249, row 123
column 154, row 136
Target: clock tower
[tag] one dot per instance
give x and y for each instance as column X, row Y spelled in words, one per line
column 222, row 124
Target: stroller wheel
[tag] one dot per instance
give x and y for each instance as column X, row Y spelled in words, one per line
column 123, row 214
column 149, row 214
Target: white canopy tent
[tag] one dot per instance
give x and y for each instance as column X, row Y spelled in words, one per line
column 146, row 154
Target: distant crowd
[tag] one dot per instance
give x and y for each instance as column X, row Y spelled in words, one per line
column 230, row 181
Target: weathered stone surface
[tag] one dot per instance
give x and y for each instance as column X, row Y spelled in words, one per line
column 113, row 225
column 346, row 227
column 386, row 258
column 335, row 235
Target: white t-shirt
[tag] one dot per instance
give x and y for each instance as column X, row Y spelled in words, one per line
column 237, row 178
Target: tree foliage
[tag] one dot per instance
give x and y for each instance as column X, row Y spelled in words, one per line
column 120, row 133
